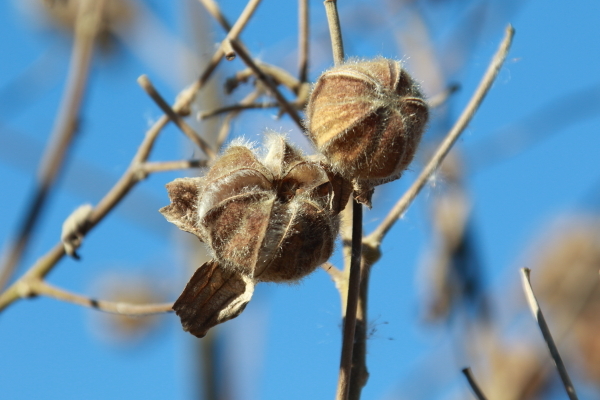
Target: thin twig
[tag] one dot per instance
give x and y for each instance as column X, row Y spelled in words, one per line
column 164, row 166
column 187, row 96
column 303, row 42
column 539, row 317
column 87, row 26
column 405, row 201
column 236, row 107
column 474, row 387
column 351, row 304
column 149, row 88
column 279, row 76
column 38, row 287
column 333, row 20
column 268, row 82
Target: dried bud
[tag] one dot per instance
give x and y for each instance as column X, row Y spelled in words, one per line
column 367, row 118
column 268, row 220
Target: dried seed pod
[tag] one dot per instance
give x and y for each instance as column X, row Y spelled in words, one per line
column 271, row 220
column 367, row 118
column 212, row 296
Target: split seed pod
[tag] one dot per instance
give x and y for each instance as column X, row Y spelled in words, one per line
column 367, row 118
column 270, row 220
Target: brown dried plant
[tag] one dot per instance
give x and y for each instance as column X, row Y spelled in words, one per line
column 271, row 218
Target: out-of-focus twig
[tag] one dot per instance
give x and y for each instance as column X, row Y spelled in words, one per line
column 213, row 9
column 539, row 317
column 543, row 123
column 473, row 384
column 374, row 239
column 88, row 22
column 442, row 97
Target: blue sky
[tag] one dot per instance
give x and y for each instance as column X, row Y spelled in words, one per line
column 286, row 344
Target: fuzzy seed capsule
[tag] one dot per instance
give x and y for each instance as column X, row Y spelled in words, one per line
column 272, row 219
column 367, row 118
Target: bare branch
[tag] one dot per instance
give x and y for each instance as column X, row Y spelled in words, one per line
column 351, row 304
column 333, row 20
column 405, row 201
column 236, row 107
column 39, row 287
column 539, row 317
column 268, row 82
column 473, row 384
column 303, row 42
column 87, row 25
column 149, row 88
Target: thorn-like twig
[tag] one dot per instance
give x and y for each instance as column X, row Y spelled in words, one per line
column 539, row 317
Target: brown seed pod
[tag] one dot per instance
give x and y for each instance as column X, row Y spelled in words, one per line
column 271, row 220
column 367, row 118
